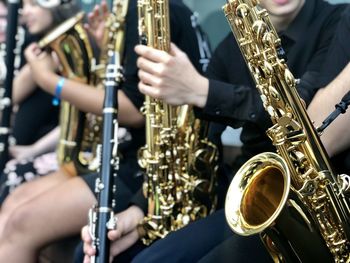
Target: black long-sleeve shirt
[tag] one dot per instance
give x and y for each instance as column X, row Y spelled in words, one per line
column 337, row 58
column 233, row 98
column 184, row 36
column 339, row 51
column 181, row 34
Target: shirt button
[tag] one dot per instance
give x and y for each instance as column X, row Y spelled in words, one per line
column 252, row 116
column 217, row 112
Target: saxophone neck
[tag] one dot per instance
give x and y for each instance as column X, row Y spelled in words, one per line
column 154, row 24
column 114, row 36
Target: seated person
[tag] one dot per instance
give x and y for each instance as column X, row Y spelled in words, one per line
column 73, row 196
column 229, row 96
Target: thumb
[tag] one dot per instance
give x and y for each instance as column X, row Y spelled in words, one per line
column 28, row 52
column 32, row 51
column 174, row 50
column 85, row 234
column 114, row 235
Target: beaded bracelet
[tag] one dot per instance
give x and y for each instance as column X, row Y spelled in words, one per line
column 58, row 91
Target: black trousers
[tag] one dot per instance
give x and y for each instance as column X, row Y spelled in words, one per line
column 238, row 249
column 207, row 240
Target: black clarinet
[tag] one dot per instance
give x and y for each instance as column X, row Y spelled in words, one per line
column 102, row 217
column 340, row 108
column 5, row 102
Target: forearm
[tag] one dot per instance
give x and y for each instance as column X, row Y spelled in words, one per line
column 140, row 201
column 48, row 142
column 23, row 85
column 128, row 114
column 234, row 105
column 200, row 91
column 72, row 91
column 336, row 137
column 90, row 99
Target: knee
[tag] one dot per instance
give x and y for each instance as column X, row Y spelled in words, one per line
column 14, row 199
column 18, row 223
column 8, row 205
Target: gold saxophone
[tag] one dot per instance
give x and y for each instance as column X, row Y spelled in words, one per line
column 171, row 157
column 113, row 40
column 293, row 198
column 114, row 35
column 80, row 134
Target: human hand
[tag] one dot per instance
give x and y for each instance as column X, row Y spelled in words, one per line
column 121, row 238
column 170, row 77
column 40, row 62
column 96, row 22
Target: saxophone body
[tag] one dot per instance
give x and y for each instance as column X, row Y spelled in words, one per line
column 80, row 132
column 198, row 158
column 292, row 198
column 171, row 155
column 198, row 155
column 113, row 39
column 114, row 36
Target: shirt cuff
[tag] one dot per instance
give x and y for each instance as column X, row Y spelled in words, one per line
column 218, row 96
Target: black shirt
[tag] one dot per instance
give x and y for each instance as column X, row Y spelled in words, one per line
column 339, row 51
column 36, row 115
column 337, row 58
column 233, row 98
column 183, row 35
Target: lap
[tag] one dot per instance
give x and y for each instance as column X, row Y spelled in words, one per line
column 20, row 175
column 238, row 249
column 190, row 243
column 29, row 190
column 127, row 182
column 123, row 193
column 206, row 240
column 59, row 211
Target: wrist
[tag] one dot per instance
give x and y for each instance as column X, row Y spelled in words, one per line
column 58, row 90
column 137, row 213
column 36, row 149
column 47, row 82
column 201, row 92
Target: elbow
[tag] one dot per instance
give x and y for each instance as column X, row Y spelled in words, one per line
column 329, row 145
column 134, row 121
column 139, row 121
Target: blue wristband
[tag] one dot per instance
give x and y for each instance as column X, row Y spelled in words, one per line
column 58, row 91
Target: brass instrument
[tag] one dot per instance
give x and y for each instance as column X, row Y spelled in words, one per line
column 174, row 153
column 114, row 35
column 198, row 155
column 198, row 163
column 292, row 198
column 80, row 133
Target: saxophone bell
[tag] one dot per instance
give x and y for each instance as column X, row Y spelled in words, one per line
column 261, row 200
column 295, row 200
column 267, row 177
